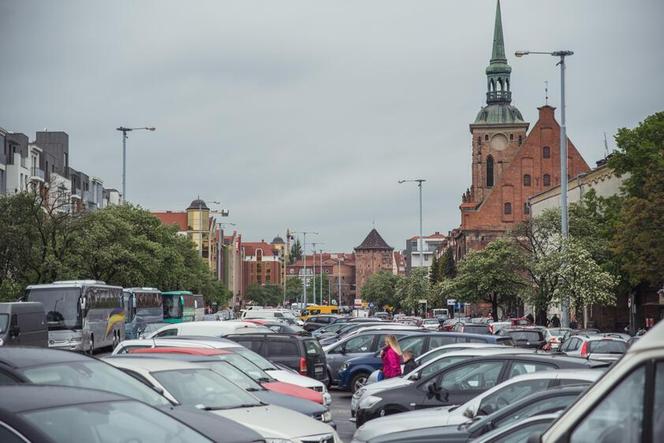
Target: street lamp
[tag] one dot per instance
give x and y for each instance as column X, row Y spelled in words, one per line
column 124, row 155
column 304, row 257
column 420, row 247
column 564, row 227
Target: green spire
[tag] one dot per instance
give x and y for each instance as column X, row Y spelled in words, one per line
column 498, row 53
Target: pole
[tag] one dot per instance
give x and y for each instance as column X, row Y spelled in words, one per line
column 124, row 165
column 320, row 255
column 419, row 184
column 313, row 273
column 564, row 228
column 304, row 257
column 339, row 285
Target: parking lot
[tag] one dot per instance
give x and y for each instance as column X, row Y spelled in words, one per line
column 341, row 413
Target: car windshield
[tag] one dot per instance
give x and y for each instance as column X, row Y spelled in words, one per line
column 246, row 366
column 557, row 332
column 256, row 359
column 525, row 335
column 4, row 321
column 476, row 329
column 61, row 306
column 607, row 347
column 204, row 388
column 94, row 375
column 118, row 421
column 233, row 374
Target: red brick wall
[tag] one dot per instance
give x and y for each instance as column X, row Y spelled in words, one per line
column 368, row 263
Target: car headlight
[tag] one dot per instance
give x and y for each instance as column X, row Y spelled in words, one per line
column 369, row 402
column 326, row 417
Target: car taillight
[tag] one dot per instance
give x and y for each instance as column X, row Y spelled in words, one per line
column 303, row 366
column 584, row 350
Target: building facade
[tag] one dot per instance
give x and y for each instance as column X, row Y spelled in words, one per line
column 430, row 244
column 371, row 256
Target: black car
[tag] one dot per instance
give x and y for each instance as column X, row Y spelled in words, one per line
column 303, row 354
column 319, row 321
column 460, row 382
column 545, row 402
column 19, row 365
column 528, row 337
column 57, row 414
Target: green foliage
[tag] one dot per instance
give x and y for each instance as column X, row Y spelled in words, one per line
column 295, row 252
column 267, row 295
column 319, row 280
column 434, row 270
column 448, row 265
column 493, row 275
column 380, row 289
column 414, row 287
column 294, row 289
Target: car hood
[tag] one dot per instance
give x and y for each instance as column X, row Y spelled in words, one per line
column 423, row 418
column 386, row 384
column 294, row 391
column 215, row 427
column 294, row 378
column 305, row 407
column 276, row 422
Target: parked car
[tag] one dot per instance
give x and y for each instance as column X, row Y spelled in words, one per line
column 303, row 354
column 209, row 329
column 318, row 321
column 355, row 372
column 272, row 314
column 194, row 385
column 328, row 338
column 279, row 326
column 473, row 328
column 330, row 329
column 554, row 337
column 462, row 381
column 597, row 347
column 520, row 430
column 56, row 414
column 20, row 365
column 431, row 324
column 526, row 337
column 488, row 402
column 214, row 359
column 543, row 402
column 623, row 406
column 23, row 324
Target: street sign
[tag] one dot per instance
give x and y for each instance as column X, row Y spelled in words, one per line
column 358, row 303
column 451, row 301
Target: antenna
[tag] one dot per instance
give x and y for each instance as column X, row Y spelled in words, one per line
column 606, row 147
column 546, row 92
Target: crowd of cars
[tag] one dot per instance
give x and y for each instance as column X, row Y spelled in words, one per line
column 265, row 377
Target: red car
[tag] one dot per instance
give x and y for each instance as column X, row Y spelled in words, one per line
column 253, row 371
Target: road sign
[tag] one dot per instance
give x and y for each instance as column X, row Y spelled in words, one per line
column 358, row 303
column 451, row 301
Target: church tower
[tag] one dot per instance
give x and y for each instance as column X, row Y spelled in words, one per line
column 499, row 129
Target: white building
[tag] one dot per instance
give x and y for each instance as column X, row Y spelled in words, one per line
column 430, row 245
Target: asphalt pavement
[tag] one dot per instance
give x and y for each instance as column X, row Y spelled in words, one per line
column 341, row 413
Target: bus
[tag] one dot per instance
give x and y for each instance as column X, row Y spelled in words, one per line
column 142, row 306
column 81, row 315
column 199, row 307
column 317, row 310
column 178, row 306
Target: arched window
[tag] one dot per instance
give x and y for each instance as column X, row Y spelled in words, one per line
column 546, row 152
column 520, row 140
column 486, row 137
column 526, row 180
column 489, row 172
column 526, row 208
column 507, row 208
column 492, row 86
column 546, row 180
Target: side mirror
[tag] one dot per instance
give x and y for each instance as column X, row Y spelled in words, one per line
column 416, row 376
column 468, row 413
column 83, row 303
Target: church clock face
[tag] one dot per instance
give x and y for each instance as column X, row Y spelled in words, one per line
column 498, row 142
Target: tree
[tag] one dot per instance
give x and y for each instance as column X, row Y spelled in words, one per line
column 447, row 264
column 413, row 288
column 492, row 275
column 319, row 280
column 267, row 295
column 434, row 270
column 293, row 289
column 380, row 289
column 295, row 252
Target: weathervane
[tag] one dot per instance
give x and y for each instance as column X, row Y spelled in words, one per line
column 546, row 91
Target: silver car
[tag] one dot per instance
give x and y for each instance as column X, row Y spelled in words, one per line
column 594, row 347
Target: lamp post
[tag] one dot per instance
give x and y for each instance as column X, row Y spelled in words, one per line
column 304, row 257
column 339, row 283
column 124, row 131
column 564, row 227
column 420, row 246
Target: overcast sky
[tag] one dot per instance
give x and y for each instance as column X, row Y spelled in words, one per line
column 304, row 114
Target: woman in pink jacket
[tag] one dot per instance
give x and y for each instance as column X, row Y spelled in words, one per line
column 391, row 356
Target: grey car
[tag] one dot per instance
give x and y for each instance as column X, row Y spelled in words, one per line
column 596, row 347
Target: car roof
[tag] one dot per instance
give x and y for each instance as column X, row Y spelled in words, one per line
column 150, row 364
column 204, row 352
column 273, row 335
column 26, row 397
column 182, row 342
column 23, row 357
column 481, row 352
column 561, row 358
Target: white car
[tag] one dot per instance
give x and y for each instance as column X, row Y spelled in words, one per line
column 486, row 403
column 193, row 385
column 431, row 324
column 283, row 375
column 209, row 329
column 431, row 367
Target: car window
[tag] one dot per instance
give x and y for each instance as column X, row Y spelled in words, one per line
column 254, row 345
column 413, row 344
column 6, row 379
column 312, row 347
column 510, row 394
column 168, row 333
column 282, row 348
column 441, row 340
column 574, row 344
column 439, row 365
column 522, row 433
column 7, row 436
column 607, row 347
column 475, row 340
column 617, row 417
column 658, row 405
column 527, row 367
column 572, row 382
column 472, row 376
column 360, row 344
column 527, row 336
column 544, row 406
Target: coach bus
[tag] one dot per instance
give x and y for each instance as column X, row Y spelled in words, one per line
column 142, row 306
column 82, row 315
column 179, row 306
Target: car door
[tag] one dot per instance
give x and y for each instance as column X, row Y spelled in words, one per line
column 354, row 347
column 460, row 383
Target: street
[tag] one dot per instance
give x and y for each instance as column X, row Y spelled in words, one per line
column 341, row 413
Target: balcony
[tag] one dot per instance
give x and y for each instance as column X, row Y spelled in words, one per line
column 37, row 174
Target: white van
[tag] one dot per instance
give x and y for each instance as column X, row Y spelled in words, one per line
column 210, row 329
column 626, row 405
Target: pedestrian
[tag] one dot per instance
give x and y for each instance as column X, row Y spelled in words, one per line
column 555, row 321
column 409, row 362
column 530, row 318
column 391, row 357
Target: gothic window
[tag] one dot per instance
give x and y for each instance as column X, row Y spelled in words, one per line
column 546, row 152
column 520, row 140
column 486, row 137
column 507, row 208
column 546, row 180
column 526, row 180
column 489, row 172
column 526, row 208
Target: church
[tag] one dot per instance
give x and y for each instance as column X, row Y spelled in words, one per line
column 509, row 164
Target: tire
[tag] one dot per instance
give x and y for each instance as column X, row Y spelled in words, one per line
column 358, row 381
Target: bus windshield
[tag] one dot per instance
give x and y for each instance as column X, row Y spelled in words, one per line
column 172, row 307
column 148, row 304
column 61, row 306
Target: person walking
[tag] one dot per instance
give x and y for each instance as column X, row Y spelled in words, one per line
column 391, row 357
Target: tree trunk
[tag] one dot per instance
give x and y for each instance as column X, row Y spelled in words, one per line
column 494, row 307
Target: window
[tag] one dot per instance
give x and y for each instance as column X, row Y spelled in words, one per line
column 507, row 208
column 477, row 376
column 486, row 137
column 521, row 432
column 510, row 394
column 618, row 416
column 546, row 152
column 520, row 140
column 489, row 172
column 526, row 180
column 414, row 344
column 281, row 348
column 6, row 379
column 523, row 367
column 437, row 341
column 168, row 333
column 544, row 406
column 526, row 208
column 359, row 344
column 511, row 137
column 8, row 436
column 546, row 180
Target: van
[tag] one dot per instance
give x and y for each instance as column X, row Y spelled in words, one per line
column 318, row 309
column 23, row 324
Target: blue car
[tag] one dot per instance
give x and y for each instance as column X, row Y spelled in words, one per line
column 353, row 374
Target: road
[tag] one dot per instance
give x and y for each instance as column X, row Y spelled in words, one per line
column 341, row 413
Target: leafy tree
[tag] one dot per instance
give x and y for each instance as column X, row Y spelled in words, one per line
column 320, row 280
column 293, row 289
column 434, row 270
column 447, row 264
column 492, row 275
column 413, row 288
column 295, row 252
column 380, row 289
column 267, row 295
